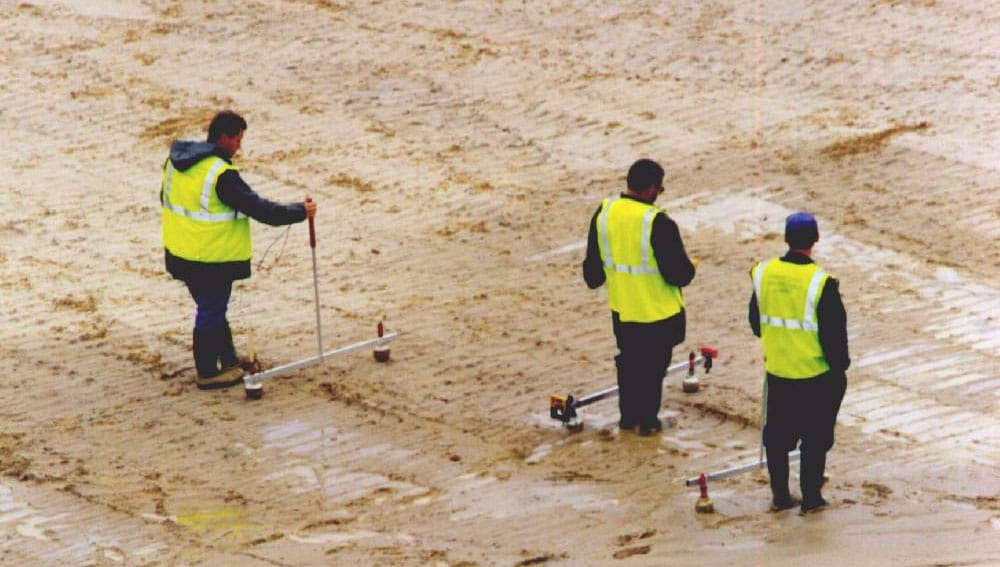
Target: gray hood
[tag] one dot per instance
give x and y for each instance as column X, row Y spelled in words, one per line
column 185, row 153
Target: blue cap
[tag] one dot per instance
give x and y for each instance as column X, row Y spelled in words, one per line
column 801, row 230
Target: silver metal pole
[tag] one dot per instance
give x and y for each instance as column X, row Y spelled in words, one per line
column 763, row 419
column 319, row 328
column 726, row 473
column 255, row 379
column 613, row 390
column 312, row 245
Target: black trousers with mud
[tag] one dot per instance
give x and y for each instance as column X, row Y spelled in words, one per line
column 644, row 352
column 212, row 340
column 806, row 411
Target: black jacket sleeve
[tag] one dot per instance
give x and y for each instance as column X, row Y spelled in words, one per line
column 832, row 319
column 675, row 266
column 593, row 267
column 754, row 314
column 233, row 191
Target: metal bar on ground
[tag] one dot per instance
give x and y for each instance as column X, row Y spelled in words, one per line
column 254, row 379
column 596, row 396
column 726, row 473
column 613, row 390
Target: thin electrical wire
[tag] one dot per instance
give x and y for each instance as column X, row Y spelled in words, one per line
column 237, row 306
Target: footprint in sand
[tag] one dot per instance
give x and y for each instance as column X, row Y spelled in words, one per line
column 630, row 551
column 627, row 539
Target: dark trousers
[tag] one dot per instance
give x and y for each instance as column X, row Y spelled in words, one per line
column 803, row 410
column 212, row 299
column 644, row 351
column 212, row 341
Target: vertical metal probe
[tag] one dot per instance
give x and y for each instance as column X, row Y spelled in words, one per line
column 763, row 419
column 312, row 245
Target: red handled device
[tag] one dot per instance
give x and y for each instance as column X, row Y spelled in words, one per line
column 312, row 227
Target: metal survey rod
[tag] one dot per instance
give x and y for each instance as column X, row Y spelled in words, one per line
column 563, row 407
column 613, row 390
column 312, row 245
column 726, row 473
column 254, row 379
column 763, row 419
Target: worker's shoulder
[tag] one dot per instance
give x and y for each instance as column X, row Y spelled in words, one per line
column 757, row 264
column 830, row 277
column 662, row 216
column 764, row 261
column 830, row 281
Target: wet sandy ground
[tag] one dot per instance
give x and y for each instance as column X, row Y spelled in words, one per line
column 457, row 151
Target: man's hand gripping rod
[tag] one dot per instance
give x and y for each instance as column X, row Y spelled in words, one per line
column 563, row 407
column 312, row 245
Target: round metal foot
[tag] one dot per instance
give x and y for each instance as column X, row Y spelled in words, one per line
column 254, row 392
column 704, row 506
column 574, row 425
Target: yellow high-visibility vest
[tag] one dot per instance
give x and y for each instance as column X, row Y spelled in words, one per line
column 636, row 289
column 787, row 295
column 198, row 226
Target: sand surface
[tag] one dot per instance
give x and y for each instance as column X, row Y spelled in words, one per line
column 457, row 150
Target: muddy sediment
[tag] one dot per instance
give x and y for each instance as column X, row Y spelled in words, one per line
column 457, row 153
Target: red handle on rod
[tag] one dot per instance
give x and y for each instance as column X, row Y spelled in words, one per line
column 312, row 228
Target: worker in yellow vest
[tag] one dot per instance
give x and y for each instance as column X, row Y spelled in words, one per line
column 206, row 211
column 797, row 312
column 637, row 250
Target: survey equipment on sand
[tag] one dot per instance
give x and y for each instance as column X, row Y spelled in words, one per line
column 702, row 479
column 704, row 503
column 563, row 407
column 252, row 382
column 734, row 471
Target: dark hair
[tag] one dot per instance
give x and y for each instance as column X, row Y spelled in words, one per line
column 225, row 122
column 644, row 173
column 801, row 240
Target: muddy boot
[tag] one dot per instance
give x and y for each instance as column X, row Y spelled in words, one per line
column 811, row 482
column 647, row 428
column 652, row 397
column 205, row 355
column 207, row 346
column 224, row 379
column 777, row 469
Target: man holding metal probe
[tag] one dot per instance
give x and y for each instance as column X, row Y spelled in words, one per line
column 206, row 211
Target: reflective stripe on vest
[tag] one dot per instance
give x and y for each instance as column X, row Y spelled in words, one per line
column 636, row 289
column 206, row 194
column 788, row 327
column 808, row 321
column 646, row 266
